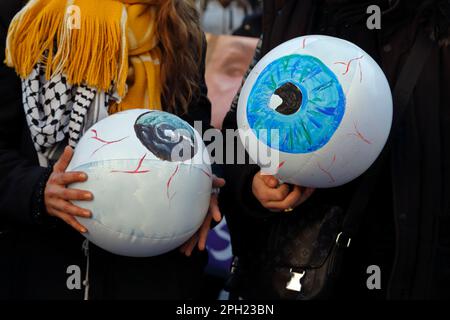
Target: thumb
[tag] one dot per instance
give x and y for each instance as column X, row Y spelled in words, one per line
column 270, row 180
column 64, row 160
column 218, row 182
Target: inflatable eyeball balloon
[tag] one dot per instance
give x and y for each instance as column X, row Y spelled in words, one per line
column 320, row 107
column 150, row 182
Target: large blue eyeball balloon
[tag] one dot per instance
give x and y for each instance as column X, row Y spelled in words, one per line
column 316, row 111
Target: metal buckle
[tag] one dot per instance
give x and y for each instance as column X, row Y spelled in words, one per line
column 294, row 283
column 339, row 242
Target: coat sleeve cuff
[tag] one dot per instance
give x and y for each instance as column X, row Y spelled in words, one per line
column 39, row 212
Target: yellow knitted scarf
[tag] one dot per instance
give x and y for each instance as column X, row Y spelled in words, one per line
column 105, row 44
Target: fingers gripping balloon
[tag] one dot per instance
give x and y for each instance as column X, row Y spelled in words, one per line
column 329, row 104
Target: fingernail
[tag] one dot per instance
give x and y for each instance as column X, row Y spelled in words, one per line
column 83, row 176
column 88, row 214
column 83, row 230
column 88, row 196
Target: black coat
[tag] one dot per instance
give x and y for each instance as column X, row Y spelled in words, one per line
column 36, row 250
column 406, row 228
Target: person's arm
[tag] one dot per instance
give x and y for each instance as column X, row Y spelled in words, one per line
column 22, row 181
column 26, row 195
column 239, row 177
column 238, row 191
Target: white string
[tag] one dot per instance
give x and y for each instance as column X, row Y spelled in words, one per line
column 85, row 247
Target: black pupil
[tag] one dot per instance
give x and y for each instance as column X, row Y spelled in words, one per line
column 291, row 96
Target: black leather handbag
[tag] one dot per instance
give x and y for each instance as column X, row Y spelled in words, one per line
column 304, row 258
column 311, row 249
column 302, row 261
column 305, row 255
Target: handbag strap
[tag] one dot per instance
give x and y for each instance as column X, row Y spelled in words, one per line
column 402, row 94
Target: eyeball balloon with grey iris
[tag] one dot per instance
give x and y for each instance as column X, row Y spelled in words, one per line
column 151, row 180
column 315, row 111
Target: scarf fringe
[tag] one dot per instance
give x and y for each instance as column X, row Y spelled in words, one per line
column 31, row 33
column 94, row 55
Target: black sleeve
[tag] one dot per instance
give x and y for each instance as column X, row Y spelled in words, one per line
column 237, row 195
column 239, row 177
column 199, row 110
column 20, row 198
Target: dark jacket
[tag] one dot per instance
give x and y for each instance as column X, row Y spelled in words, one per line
column 405, row 229
column 36, row 250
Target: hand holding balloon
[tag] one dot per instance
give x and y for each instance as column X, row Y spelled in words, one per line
column 277, row 197
column 201, row 235
column 58, row 197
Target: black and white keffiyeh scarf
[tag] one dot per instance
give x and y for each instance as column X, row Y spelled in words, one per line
column 58, row 112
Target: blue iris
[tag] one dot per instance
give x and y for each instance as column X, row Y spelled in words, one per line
column 319, row 104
